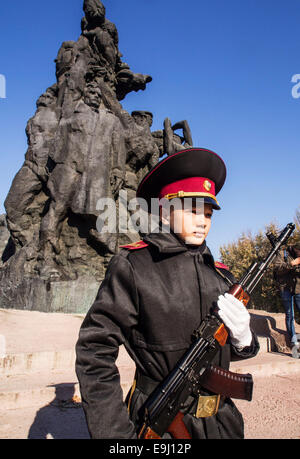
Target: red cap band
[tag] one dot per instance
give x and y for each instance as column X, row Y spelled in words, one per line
column 189, row 185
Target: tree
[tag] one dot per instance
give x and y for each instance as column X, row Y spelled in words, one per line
column 297, row 223
column 241, row 254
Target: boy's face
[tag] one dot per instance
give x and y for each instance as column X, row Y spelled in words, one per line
column 191, row 222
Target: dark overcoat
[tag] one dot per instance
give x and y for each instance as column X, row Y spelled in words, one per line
column 150, row 301
column 286, row 275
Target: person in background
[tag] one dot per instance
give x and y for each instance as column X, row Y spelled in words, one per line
column 287, row 275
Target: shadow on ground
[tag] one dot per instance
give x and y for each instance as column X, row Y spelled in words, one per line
column 265, row 325
column 62, row 418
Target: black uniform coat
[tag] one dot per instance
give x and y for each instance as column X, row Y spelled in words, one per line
column 151, row 300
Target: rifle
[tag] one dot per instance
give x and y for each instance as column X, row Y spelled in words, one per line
column 162, row 410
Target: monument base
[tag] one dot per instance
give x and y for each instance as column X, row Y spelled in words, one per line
column 36, row 294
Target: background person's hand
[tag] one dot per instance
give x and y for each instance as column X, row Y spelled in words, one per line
column 295, row 262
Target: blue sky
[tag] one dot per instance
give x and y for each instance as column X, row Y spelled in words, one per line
column 225, row 66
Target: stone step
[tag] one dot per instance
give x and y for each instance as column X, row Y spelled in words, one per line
column 28, row 363
column 41, row 388
column 267, row 364
column 264, row 343
column 32, row 362
column 37, row 389
column 31, row 379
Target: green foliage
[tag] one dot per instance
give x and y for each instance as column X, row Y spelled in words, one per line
column 241, row 254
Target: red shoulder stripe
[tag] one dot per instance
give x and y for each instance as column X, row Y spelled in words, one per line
column 134, row 245
column 220, row 265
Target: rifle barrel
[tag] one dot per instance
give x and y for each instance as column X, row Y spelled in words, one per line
column 250, row 285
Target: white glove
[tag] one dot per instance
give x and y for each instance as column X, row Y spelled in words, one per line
column 236, row 318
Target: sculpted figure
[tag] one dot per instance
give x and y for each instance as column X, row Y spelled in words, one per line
column 100, row 31
column 90, row 164
column 142, row 149
column 173, row 142
column 65, row 59
column 40, row 131
column 71, row 67
column 103, row 38
column 168, row 142
column 34, row 173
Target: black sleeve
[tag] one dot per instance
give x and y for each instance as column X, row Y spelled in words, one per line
column 247, row 352
column 109, row 320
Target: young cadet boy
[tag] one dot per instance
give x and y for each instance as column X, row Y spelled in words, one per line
column 154, row 295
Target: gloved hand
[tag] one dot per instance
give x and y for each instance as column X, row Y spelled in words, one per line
column 236, row 318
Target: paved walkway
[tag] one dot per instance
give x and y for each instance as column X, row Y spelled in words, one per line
column 39, row 391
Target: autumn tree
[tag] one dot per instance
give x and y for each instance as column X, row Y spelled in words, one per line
column 297, row 223
column 241, row 254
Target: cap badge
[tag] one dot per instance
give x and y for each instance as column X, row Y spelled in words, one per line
column 207, row 185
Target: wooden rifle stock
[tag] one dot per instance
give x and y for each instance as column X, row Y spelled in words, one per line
column 239, row 293
column 177, row 429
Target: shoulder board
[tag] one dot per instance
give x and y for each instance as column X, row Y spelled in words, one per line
column 134, row 245
column 220, row 265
